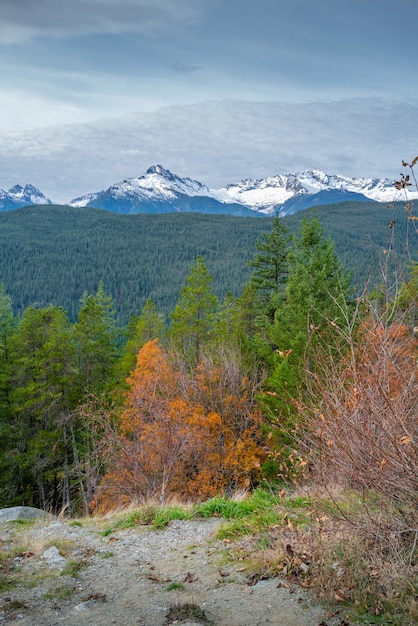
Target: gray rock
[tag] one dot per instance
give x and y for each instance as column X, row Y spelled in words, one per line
column 84, row 606
column 14, row 513
column 53, row 558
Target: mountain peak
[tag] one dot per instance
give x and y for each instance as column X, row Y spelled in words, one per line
column 19, row 196
column 158, row 190
column 161, row 171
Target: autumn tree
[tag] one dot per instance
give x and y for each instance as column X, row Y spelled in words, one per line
column 175, row 440
column 360, row 423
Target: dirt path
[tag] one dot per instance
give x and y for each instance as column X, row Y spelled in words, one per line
column 180, row 575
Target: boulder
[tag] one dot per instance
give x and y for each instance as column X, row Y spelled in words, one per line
column 14, row 513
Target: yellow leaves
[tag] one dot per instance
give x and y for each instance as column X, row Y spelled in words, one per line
column 189, row 435
column 284, row 354
column 404, row 440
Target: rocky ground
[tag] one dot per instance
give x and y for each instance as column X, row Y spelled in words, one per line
column 90, row 574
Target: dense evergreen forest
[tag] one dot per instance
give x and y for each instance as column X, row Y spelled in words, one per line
column 53, row 254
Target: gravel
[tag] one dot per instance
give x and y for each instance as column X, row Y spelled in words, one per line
column 179, row 575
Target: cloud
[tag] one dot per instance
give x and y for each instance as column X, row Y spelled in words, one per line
column 184, row 68
column 215, row 142
column 24, row 20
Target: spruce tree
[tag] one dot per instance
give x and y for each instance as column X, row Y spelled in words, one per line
column 270, row 265
column 315, row 299
column 193, row 319
column 96, row 341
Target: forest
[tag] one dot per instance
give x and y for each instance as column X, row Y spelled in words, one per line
column 52, row 254
column 296, row 376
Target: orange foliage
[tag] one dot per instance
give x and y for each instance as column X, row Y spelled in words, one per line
column 174, row 440
column 366, row 428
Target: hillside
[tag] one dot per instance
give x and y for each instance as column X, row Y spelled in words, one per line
column 51, row 254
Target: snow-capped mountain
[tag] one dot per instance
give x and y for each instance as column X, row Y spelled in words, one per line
column 279, row 193
column 19, row 196
column 160, row 191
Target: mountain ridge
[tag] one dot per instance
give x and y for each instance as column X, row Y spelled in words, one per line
column 158, row 190
column 17, row 197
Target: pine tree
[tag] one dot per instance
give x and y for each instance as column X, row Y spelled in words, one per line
column 95, row 338
column 41, row 399
column 270, row 265
column 148, row 326
column 193, row 319
column 315, row 299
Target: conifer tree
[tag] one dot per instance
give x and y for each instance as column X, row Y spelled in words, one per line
column 193, row 319
column 270, row 265
column 8, row 329
column 315, row 299
column 40, row 402
column 95, row 338
column 149, row 325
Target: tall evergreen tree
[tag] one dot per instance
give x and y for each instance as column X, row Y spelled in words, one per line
column 193, row 319
column 270, row 265
column 8, row 329
column 96, row 343
column 40, row 402
column 149, row 325
column 315, row 299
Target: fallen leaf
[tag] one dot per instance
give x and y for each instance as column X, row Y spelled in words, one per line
column 189, row 578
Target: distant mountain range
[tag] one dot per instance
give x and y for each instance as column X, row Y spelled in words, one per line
column 18, row 197
column 160, row 191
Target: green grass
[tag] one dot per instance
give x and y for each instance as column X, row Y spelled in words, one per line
column 222, row 507
column 23, row 522
column 60, row 593
column 156, row 517
column 73, row 568
column 165, row 515
column 176, row 587
column 105, row 555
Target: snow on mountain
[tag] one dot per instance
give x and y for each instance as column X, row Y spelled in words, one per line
column 19, row 196
column 156, row 185
column 158, row 190
column 268, row 194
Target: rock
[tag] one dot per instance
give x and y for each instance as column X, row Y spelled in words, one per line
column 14, row 513
column 84, row 606
column 53, row 558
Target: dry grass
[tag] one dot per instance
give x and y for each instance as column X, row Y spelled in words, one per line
column 335, row 554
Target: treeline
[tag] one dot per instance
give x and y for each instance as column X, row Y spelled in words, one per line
column 94, row 416
column 52, row 254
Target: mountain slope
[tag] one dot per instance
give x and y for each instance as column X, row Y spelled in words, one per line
column 276, row 193
column 160, row 191
column 19, row 196
column 150, row 256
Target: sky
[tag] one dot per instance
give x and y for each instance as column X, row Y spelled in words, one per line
column 95, row 91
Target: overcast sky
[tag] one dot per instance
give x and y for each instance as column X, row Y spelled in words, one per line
column 97, row 90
